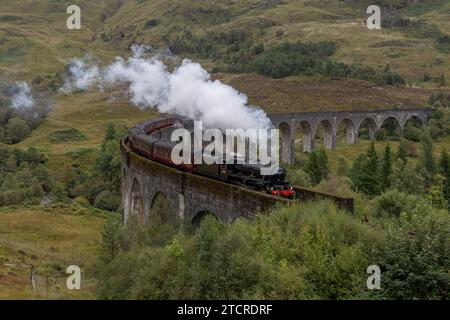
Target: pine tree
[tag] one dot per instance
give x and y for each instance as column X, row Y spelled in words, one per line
column 427, row 164
column 364, row 172
column 109, row 136
column 312, row 167
column 406, row 179
column 372, row 185
column 357, row 173
column 444, row 166
column 436, row 193
column 317, row 166
column 322, row 159
column 109, row 247
column 402, row 151
column 386, row 169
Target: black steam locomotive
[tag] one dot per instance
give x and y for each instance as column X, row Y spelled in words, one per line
column 151, row 139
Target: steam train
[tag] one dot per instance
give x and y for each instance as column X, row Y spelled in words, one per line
column 151, row 139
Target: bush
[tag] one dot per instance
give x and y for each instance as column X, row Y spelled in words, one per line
column 294, row 253
column 16, row 130
column 67, row 135
column 82, row 202
column 412, row 133
column 392, row 203
column 107, row 201
column 90, row 189
column 299, row 178
column 381, row 135
column 415, row 259
column 342, row 167
column 336, row 185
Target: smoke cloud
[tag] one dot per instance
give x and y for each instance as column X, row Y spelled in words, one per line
column 82, row 76
column 21, row 97
column 186, row 91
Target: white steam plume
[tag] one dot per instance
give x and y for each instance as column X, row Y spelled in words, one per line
column 22, row 97
column 187, row 91
column 82, row 76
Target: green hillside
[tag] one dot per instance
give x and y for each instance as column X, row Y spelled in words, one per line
column 36, row 46
column 34, row 40
column 286, row 56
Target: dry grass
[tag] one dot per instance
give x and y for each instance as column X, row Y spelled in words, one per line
column 50, row 239
column 305, row 94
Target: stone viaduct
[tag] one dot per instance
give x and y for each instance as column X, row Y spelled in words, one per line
column 309, row 122
column 191, row 196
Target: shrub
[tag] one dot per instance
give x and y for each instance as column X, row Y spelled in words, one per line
column 415, row 258
column 381, row 134
column 405, row 178
column 392, row 203
column 16, row 130
column 412, row 133
column 107, row 201
column 317, row 166
column 342, row 167
column 307, row 251
column 299, row 178
column 67, row 135
column 82, row 202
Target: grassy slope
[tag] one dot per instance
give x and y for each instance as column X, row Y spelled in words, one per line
column 297, row 20
column 50, row 239
column 37, row 31
column 35, row 41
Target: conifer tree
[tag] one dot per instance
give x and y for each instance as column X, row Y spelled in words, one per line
column 317, row 166
column 323, row 164
column 110, row 135
column 386, row 169
column 406, row 179
column 372, row 185
column 312, row 167
column 427, row 165
column 444, row 166
column 109, row 247
column 402, row 151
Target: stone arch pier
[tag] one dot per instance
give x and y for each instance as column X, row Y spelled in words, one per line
column 329, row 122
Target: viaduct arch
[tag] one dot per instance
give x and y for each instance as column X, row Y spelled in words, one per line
column 309, row 122
column 190, row 196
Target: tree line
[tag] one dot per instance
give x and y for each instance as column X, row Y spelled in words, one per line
column 235, row 51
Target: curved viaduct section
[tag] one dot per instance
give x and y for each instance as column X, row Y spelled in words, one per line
column 308, row 123
column 190, row 196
